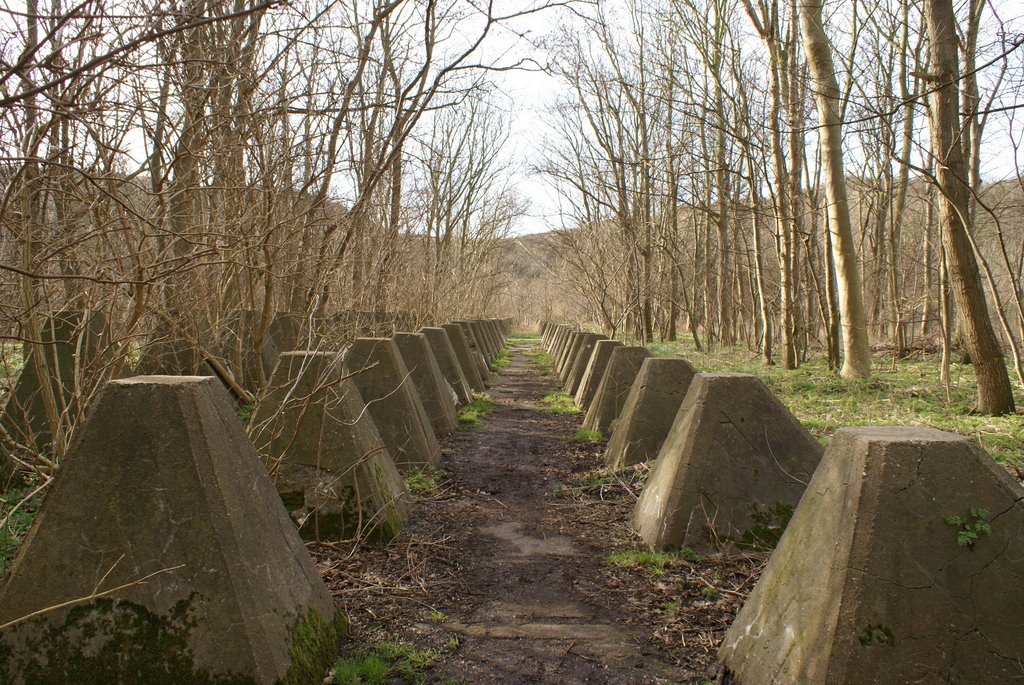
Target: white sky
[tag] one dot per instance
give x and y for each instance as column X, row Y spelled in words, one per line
column 530, row 94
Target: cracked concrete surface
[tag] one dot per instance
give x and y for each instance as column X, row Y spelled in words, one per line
column 869, row 584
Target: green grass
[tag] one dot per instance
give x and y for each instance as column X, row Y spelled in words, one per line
column 909, row 395
column 650, row 561
column 541, row 359
column 583, row 435
column 501, row 361
column 559, row 402
column 473, row 414
column 384, row 662
column 425, row 481
column 13, row 531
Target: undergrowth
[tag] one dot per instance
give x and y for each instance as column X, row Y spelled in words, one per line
column 559, row 402
column 501, row 361
column 583, row 435
column 425, row 481
column 14, row 526
column 385, row 662
column 473, row 414
column 650, row 561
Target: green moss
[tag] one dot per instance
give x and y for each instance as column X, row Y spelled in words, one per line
column 313, row 646
column 109, row 642
column 769, row 525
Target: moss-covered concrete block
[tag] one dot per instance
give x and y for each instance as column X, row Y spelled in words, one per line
column 438, row 399
column 465, row 357
column 903, row 563
column 594, row 373
column 734, row 463
column 392, row 400
column 575, row 371
column 448, row 363
column 650, row 410
column 619, row 374
column 162, row 554
column 324, row 453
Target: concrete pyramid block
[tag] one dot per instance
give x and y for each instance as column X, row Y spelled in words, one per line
column 579, row 364
column 565, row 367
column 903, row 564
column 391, row 399
column 324, row 453
column 568, row 349
column 465, row 357
column 623, row 366
column 731, row 470
column 476, row 351
column 448, row 363
column 74, row 350
column 483, row 340
column 594, row 373
column 649, row 412
column 162, row 554
column 437, row 396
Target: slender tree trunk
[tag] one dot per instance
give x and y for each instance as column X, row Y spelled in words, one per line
column 995, row 395
column 856, row 353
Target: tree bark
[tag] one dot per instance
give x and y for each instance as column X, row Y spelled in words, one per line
column 856, row 353
column 995, row 395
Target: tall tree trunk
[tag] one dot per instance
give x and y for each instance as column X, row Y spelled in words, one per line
column 856, row 353
column 995, row 395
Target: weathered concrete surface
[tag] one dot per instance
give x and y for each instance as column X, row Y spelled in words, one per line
column 560, row 342
column 448, row 363
column 731, row 470
column 565, row 367
column 570, row 347
column 594, row 373
column 74, row 349
column 580, row 363
column 623, row 366
column 649, row 411
column 163, row 505
column 464, row 355
column 869, row 584
column 438, row 398
column 561, row 339
column 485, row 343
column 476, row 352
column 391, row 399
column 324, row 453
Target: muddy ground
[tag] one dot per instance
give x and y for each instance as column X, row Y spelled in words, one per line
column 504, row 568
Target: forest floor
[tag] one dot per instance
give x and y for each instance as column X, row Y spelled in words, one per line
column 518, row 566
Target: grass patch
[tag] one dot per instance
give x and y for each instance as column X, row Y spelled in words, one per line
column 382, row 662
column 652, row 562
column 542, row 360
column 524, row 340
column 501, row 361
column 583, row 435
column 425, row 481
column 559, row 402
column 16, row 524
column 909, row 394
column 473, row 414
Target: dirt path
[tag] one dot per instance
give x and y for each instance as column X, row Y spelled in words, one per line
column 514, row 568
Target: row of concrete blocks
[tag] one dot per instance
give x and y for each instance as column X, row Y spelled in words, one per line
column 162, row 552
column 899, row 552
